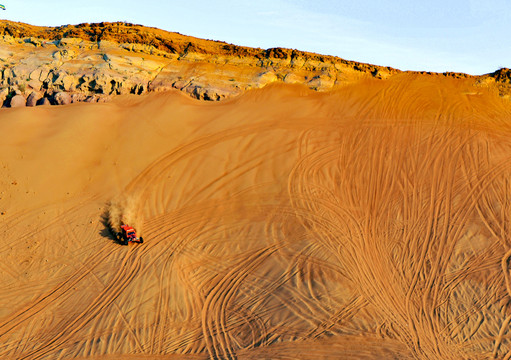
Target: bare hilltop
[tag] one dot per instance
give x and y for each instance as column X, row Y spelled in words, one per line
column 93, row 62
column 360, row 213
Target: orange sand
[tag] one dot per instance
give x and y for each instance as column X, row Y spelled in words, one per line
column 369, row 223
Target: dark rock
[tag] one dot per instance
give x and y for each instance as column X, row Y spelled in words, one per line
column 33, row 98
column 43, row 101
column 62, row 98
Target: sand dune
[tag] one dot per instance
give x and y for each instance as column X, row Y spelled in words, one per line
column 371, row 222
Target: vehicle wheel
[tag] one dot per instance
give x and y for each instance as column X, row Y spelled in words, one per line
column 141, row 239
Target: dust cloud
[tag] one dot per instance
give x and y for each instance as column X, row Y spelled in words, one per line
column 124, row 210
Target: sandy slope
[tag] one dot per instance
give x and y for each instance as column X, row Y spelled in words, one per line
column 372, row 222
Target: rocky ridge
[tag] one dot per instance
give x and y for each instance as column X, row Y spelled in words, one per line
column 93, row 62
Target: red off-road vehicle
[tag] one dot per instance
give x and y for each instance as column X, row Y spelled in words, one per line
column 127, row 235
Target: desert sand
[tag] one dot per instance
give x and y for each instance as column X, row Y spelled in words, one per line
column 371, row 222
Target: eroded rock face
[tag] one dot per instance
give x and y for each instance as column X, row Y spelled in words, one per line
column 3, row 95
column 203, row 69
column 62, row 98
column 43, row 101
column 78, row 97
column 18, row 101
column 94, row 68
column 33, row 98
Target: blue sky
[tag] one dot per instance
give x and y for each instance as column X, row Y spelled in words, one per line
column 469, row 36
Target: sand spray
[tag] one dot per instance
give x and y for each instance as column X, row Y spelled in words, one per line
column 124, row 210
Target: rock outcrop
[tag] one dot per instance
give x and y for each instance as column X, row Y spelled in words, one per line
column 43, row 101
column 33, row 98
column 17, row 101
column 62, row 98
column 93, row 62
